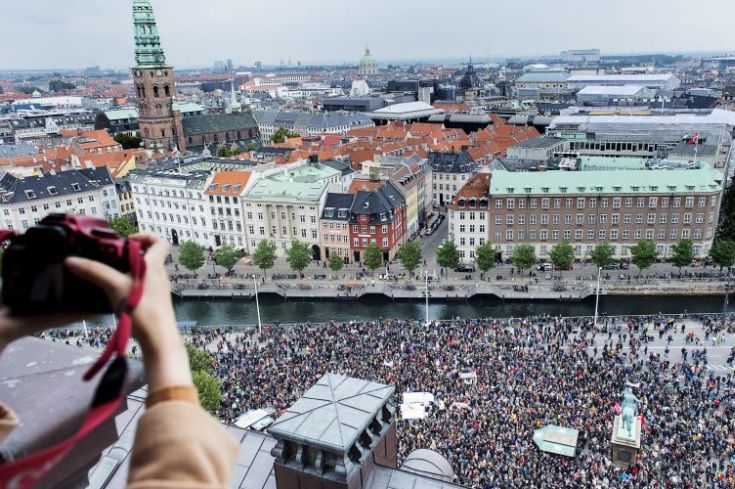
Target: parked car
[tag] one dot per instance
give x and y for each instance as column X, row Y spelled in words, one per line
column 465, row 268
column 544, row 267
column 568, row 267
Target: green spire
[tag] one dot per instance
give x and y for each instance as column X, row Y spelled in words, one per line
column 148, row 51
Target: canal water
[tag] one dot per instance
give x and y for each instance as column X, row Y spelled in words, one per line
column 226, row 312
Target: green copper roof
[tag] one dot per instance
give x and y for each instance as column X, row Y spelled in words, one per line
column 148, row 50
column 599, row 163
column 304, row 184
column 556, row 182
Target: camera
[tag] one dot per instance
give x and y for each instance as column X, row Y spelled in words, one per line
column 35, row 280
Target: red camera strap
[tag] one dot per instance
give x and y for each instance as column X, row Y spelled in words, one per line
column 25, row 472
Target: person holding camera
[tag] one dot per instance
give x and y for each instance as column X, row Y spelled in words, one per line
column 177, row 443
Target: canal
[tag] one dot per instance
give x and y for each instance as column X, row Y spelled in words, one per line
column 243, row 312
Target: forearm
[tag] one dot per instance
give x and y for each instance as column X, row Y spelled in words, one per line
column 165, row 359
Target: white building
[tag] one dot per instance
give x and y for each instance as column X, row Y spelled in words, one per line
column 308, row 123
column 197, row 201
column 27, row 200
column 655, row 80
column 287, row 205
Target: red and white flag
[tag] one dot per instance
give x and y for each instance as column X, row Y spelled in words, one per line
column 694, row 139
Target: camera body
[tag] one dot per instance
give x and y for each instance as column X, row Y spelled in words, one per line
column 35, row 280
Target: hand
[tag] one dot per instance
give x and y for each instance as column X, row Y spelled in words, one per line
column 154, row 312
column 154, row 322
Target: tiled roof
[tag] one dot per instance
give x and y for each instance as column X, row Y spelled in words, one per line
column 477, row 186
column 228, row 183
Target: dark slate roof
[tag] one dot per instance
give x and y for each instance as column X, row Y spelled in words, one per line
column 381, row 201
column 213, row 123
column 452, row 162
column 332, row 413
column 345, row 168
column 42, row 382
column 337, row 202
column 14, row 189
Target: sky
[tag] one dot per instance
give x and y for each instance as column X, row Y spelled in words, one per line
column 46, row 34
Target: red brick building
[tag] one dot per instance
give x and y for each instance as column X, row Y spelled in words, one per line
column 378, row 216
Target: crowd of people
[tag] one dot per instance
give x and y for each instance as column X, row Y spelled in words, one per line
column 530, row 372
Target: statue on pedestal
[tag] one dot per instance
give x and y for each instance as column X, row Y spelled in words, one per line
column 629, row 410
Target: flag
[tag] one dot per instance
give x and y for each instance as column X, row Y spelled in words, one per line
column 694, row 139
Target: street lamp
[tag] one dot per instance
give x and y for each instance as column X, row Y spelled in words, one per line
column 257, row 306
column 597, row 295
column 426, row 278
column 727, row 298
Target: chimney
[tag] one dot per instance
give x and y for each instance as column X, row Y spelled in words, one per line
column 313, row 159
column 335, row 434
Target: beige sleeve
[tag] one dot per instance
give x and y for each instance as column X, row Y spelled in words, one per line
column 179, row 445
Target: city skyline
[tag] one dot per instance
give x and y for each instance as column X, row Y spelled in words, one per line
column 195, row 37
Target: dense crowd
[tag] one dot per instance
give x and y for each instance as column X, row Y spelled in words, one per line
column 530, row 372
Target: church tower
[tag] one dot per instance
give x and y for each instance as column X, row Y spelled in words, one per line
column 153, row 80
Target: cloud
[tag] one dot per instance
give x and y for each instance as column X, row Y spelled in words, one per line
column 77, row 33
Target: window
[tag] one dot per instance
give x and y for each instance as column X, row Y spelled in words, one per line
column 637, row 234
column 689, row 202
column 509, row 203
column 498, row 204
column 674, row 218
column 649, row 233
column 591, row 219
column 533, row 204
column 555, row 234
column 641, row 202
column 545, row 203
column 580, row 203
column 567, row 234
column 652, row 202
column 603, row 203
column 672, row 234
column 661, row 234
column 544, row 234
column 662, row 219
column 532, row 219
column 544, row 219
column 699, row 218
column 639, row 218
column 603, row 218
column 580, row 218
column 557, row 203
column 521, row 204
column 462, row 228
column 555, row 219
column 651, row 219
column 567, row 218
column 626, row 219
column 578, row 234
column 685, row 233
column 677, row 202
column 498, row 219
column 626, row 234
column 590, row 234
column 601, row 234
column 385, row 242
column 664, row 202
column 613, row 234
column 616, row 203
column 687, row 218
column 697, row 234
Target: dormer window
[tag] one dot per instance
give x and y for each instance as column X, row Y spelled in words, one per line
column 635, row 189
column 30, row 194
column 52, row 191
column 545, row 190
column 563, row 190
column 382, row 217
column 617, row 189
column 75, row 187
column 528, row 190
column 510, row 190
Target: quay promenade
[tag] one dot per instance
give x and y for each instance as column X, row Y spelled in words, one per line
column 444, row 290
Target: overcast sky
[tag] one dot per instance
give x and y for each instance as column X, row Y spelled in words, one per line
column 79, row 33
